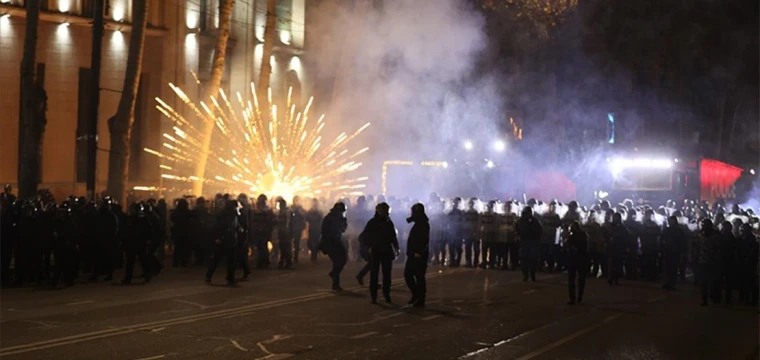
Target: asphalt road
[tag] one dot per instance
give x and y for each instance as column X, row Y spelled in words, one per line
column 278, row 314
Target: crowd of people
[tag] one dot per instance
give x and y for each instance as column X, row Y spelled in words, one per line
column 46, row 242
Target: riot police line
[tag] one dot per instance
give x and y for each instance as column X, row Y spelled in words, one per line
column 49, row 243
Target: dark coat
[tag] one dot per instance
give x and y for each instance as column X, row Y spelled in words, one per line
column 380, row 236
column 419, row 237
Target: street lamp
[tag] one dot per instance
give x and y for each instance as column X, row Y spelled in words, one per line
column 468, row 145
column 499, row 145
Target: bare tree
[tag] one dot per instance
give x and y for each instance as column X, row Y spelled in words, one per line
column 270, row 35
column 217, row 70
column 33, row 100
column 120, row 125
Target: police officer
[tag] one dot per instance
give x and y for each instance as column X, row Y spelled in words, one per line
column 551, row 223
column 470, row 222
column 650, row 238
column 135, row 245
column 596, row 248
column 489, row 232
column 65, row 246
column 262, row 223
column 313, row 218
column 182, row 232
column 508, row 238
column 632, row 246
column 333, row 227
column 284, row 236
column 417, row 254
column 380, row 234
column 529, row 230
column 225, row 235
column 297, row 226
column 437, row 231
column 578, row 262
column 454, row 232
column 729, row 248
column 672, row 243
column 360, row 214
column 107, row 231
column 748, row 259
column 202, row 216
column 708, row 259
column 617, row 239
column 243, row 244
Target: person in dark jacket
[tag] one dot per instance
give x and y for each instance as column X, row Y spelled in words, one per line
column 729, row 248
column 261, row 225
column 417, row 253
column 243, row 245
column 136, row 242
column 297, row 226
column 331, row 244
column 578, row 262
column 225, row 236
column 181, row 232
column 529, row 230
column 380, row 235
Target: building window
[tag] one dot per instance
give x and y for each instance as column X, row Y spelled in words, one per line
column 209, row 16
column 156, row 13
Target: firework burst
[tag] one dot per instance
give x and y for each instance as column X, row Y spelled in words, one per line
column 257, row 148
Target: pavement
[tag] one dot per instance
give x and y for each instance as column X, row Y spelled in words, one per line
column 278, row 314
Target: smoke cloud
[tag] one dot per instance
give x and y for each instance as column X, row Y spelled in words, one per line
column 406, row 66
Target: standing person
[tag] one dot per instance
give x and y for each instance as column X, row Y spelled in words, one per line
column 417, row 254
column 107, row 230
column 489, row 231
column 748, row 259
column 729, row 248
column 284, row 236
column 672, row 240
column 529, row 230
column 65, row 246
column 243, row 245
column 470, row 230
column 225, row 236
column 650, row 238
column 618, row 239
column 262, row 222
column 181, row 233
column 202, row 216
column 333, row 227
column 437, row 231
column 297, row 226
column 595, row 244
column 380, row 234
column 551, row 223
column 136, row 242
column 707, row 253
column 578, row 262
column 314, row 221
column 508, row 237
column 454, row 233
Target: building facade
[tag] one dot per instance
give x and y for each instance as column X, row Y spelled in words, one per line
column 179, row 48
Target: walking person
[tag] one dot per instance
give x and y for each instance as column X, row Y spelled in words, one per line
column 380, row 234
column 417, row 253
column 225, row 237
column 333, row 227
column 578, row 262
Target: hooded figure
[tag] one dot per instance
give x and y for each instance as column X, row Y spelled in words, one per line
column 381, row 240
column 333, row 227
column 417, row 254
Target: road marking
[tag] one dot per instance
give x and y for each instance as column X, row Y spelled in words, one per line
column 152, row 357
column 80, row 302
column 432, row 317
column 565, row 339
column 526, row 292
column 100, row 334
column 364, row 335
column 158, row 329
column 200, row 306
column 401, row 325
column 237, row 345
column 656, row 299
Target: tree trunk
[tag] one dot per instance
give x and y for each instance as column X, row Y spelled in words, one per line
column 120, row 125
column 217, row 70
column 270, row 36
column 31, row 126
